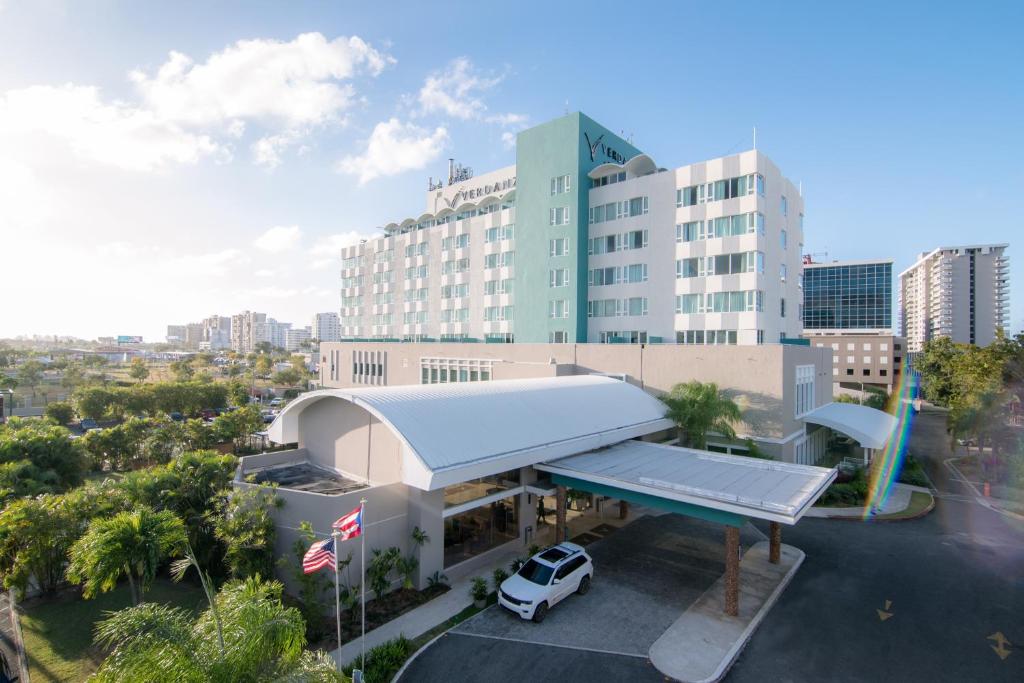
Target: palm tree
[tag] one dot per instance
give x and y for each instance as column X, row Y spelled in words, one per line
column 698, row 408
column 131, row 544
column 262, row 641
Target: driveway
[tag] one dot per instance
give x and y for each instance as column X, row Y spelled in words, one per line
column 646, row 575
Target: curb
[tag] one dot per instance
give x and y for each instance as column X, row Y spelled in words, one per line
column 979, row 498
column 414, row 655
column 885, row 519
column 748, row 631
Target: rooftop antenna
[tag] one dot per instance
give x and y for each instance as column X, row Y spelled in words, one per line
column 801, row 188
column 755, row 137
column 566, row 106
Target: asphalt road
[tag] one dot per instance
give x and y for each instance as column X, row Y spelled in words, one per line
column 944, row 584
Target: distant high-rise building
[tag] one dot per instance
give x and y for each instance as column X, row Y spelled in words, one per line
column 193, row 335
column 326, row 327
column 294, row 338
column 247, row 330
column 276, row 332
column 848, row 297
column 217, row 332
column 958, row 292
column 175, row 334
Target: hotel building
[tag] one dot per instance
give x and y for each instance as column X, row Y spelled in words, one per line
column 587, row 239
column 958, row 292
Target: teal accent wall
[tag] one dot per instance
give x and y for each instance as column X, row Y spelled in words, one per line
column 543, row 152
column 707, row 514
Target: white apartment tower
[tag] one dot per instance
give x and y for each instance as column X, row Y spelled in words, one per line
column 247, row 330
column 326, row 327
column 958, row 292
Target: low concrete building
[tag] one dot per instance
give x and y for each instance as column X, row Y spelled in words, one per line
column 775, row 385
column 471, row 464
column 860, row 360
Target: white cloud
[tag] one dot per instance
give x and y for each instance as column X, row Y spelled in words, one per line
column 111, row 133
column 279, row 238
column 395, row 147
column 267, row 150
column 294, row 82
column 508, row 140
column 457, row 91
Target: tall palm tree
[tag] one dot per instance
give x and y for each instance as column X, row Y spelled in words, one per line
column 131, row 544
column 698, row 408
column 262, row 641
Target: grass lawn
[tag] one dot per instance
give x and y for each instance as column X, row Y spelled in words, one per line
column 919, row 502
column 58, row 632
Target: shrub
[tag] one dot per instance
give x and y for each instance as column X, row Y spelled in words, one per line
column 60, row 412
column 499, row 575
column 437, row 579
column 478, row 590
column 384, row 661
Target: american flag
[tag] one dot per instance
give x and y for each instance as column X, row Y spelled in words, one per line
column 320, row 555
column 351, row 525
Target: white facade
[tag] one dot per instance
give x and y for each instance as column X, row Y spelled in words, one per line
column 958, row 292
column 716, row 268
column 326, row 327
column 294, row 338
column 247, row 330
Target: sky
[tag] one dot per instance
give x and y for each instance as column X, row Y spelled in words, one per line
column 162, row 162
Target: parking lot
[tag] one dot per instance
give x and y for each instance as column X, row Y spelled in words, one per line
column 646, row 575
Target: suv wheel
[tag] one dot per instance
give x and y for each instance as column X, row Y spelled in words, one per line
column 540, row 612
column 584, row 586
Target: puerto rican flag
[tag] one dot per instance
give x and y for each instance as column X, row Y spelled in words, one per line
column 351, row 525
column 321, row 554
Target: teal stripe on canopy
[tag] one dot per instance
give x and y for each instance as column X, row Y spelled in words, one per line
column 688, row 509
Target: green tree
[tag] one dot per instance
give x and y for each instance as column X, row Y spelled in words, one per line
column 244, row 524
column 238, row 424
column 182, row 370
column 138, row 370
column 131, row 544
column 311, row 587
column 61, row 460
column 264, row 364
column 60, row 412
column 262, row 641
column 698, row 408
column 30, row 374
column 72, row 376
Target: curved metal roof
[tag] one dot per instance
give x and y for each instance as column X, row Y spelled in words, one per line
column 501, row 423
column 869, row 426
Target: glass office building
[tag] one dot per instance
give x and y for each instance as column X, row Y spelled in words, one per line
column 847, row 296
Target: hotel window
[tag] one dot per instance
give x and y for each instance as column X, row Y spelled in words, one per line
column 501, row 260
column 498, row 286
column 369, row 367
column 783, row 238
column 867, row 360
column 782, row 308
column 383, row 256
column 835, row 371
column 883, row 347
column 804, row 389
column 850, row 360
column 784, row 206
column 732, row 302
column 350, row 262
column 455, row 315
column 417, row 294
column 690, row 267
column 455, row 291
column 690, row 232
column 414, row 272
column 559, row 277
column 383, row 277
column 559, row 216
column 636, row 305
column 782, row 272
column 636, row 272
column 351, row 301
column 558, row 337
column 604, row 308
column 883, row 360
column 497, row 313
column 727, row 264
column 760, row 184
column 608, row 179
column 688, row 303
column 455, row 266
column 636, row 239
column 496, row 234
column 383, row 298
column 687, row 196
column 383, row 319
column 558, row 308
column 417, row 249
column 415, row 317
column 867, row 347
column 559, row 246
column 444, row 370
column 638, row 206
column 455, row 242
column 602, row 276
column 560, row 184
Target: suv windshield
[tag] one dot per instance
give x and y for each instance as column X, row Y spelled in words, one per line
column 536, row 572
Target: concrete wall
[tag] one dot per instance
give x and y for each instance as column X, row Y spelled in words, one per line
column 343, row 436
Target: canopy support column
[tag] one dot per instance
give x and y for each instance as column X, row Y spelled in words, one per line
column 560, row 530
column 732, row 571
column 774, row 542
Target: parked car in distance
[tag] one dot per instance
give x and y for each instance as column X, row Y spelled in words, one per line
column 275, row 402
column 89, row 424
column 546, row 579
column 208, row 413
column 177, row 417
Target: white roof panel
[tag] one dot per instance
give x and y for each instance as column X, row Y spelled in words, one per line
column 734, row 483
column 869, row 426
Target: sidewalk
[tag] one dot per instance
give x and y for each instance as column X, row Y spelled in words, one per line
column 704, row 642
column 898, row 501
column 418, row 621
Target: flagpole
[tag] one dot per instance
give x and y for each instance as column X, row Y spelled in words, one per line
column 362, row 581
column 337, row 591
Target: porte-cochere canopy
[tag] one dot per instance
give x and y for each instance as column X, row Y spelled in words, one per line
column 870, row 427
column 455, row 432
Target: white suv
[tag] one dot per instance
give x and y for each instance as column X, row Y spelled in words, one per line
column 547, row 578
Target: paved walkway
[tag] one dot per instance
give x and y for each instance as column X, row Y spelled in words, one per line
column 703, row 643
column 898, row 501
column 418, row 621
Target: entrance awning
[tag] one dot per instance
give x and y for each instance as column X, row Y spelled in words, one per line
column 701, row 483
column 870, row 427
